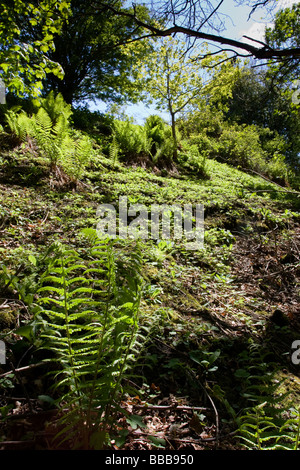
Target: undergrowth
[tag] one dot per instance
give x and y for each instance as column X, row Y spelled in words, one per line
column 115, row 320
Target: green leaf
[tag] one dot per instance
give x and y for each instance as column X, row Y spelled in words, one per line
column 46, row 399
column 242, row 373
column 32, row 259
column 120, row 439
column 196, row 356
column 99, row 439
column 136, row 421
column 157, row 441
column 26, row 331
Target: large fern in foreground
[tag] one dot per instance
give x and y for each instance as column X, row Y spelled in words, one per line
column 89, row 309
column 261, row 431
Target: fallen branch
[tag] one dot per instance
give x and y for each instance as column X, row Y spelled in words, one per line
column 22, row 369
column 282, row 189
column 170, row 407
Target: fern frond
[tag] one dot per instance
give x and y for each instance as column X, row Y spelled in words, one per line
column 92, row 330
column 19, row 123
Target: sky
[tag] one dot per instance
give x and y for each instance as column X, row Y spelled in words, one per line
column 237, row 25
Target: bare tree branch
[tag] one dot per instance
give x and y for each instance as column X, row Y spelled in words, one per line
column 264, row 52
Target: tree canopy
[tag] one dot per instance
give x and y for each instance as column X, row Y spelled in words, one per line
column 24, row 64
column 96, row 65
column 286, row 34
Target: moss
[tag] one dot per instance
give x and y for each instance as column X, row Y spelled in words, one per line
column 7, row 318
column 291, row 387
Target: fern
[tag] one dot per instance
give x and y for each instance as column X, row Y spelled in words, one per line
column 261, row 431
column 19, row 123
column 257, row 430
column 159, row 135
column 90, row 320
column 50, row 128
column 264, row 425
column 42, row 133
column 56, row 107
column 77, row 153
column 289, row 438
column 114, row 150
column 131, row 139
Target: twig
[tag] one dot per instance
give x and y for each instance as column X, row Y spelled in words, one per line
column 271, row 182
column 170, row 407
column 17, row 443
column 21, row 369
column 22, row 386
column 212, row 403
column 45, row 218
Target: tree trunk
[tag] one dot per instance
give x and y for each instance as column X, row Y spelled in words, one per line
column 175, row 153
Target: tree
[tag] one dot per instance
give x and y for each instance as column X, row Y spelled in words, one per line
column 193, row 18
column 285, row 34
column 173, row 80
column 24, row 64
column 95, row 63
column 255, row 100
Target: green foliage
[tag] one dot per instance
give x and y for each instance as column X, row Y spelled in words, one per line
column 78, row 153
column 26, row 63
column 285, row 33
column 192, row 156
column 19, row 123
column 89, row 318
column 259, row 431
column 93, row 122
column 92, row 50
column 172, row 79
column 256, row 100
column 268, row 423
column 153, row 141
column 159, row 135
column 56, row 108
column 172, row 76
column 241, row 145
column 50, row 128
column 205, row 120
column 131, row 139
column 114, row 149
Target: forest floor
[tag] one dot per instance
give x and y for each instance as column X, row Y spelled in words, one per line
column 224, row 315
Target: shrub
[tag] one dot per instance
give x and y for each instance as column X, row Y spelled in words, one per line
column 192, row 160
column 207, row 147
column 244, row 146
column 93, row 122
column 240, row 146
column 206, row 121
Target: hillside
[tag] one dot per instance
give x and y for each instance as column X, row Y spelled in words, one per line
column 217, row 324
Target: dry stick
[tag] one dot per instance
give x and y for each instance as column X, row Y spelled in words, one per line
column 193, row 441
column 208, row 396
column 16, row 443
column 212, row 403
column 283, row 190
column 21, row 369
column 171, row 407
column 22, row 386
